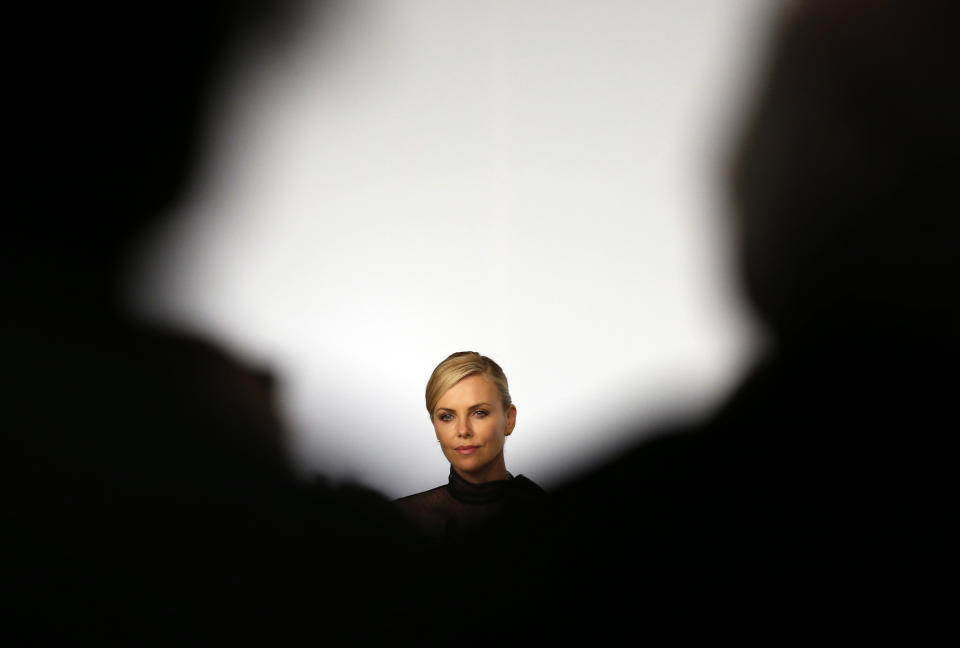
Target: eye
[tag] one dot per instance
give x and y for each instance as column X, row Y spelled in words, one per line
column 445, row 416
column 481, row 413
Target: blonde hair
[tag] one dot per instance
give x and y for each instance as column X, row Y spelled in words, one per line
column 458, row 366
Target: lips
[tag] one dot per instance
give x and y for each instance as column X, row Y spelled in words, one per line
column 466, row 449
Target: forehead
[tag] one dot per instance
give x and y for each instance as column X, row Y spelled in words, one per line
column 470, row 391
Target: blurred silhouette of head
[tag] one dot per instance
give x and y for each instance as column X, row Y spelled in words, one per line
column 104, row 102
column 843, row 181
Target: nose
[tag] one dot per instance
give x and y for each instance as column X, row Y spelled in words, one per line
column 463, row 429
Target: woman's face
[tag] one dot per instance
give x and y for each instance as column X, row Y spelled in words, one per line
column 471, row 426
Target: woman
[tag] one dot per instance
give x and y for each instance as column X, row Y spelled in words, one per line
column 469, row 403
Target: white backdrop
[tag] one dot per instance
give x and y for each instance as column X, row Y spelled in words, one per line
column 537, row 181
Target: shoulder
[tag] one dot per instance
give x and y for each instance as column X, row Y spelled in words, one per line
column 423, row 499
column 429, row 511
column 528, row 488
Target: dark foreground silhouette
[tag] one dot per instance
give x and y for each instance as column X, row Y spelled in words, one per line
column 817, row 504
column 147, row 499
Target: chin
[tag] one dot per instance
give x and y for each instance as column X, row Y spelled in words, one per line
column 468, row 465
column 465, row 465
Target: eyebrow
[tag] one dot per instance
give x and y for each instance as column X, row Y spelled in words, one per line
column 469, row 409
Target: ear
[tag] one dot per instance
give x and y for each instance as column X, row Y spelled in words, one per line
column 511, row 420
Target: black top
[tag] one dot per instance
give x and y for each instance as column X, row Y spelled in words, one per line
column 460, row 507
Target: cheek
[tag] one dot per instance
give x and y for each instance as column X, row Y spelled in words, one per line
column 495, row 429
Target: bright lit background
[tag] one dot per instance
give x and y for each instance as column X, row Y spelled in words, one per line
column 541, row 182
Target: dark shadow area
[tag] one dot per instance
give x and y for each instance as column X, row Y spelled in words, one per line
column 816, row 506
column 148, row 497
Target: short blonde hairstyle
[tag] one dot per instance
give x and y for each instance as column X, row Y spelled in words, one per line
column 458, row 366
